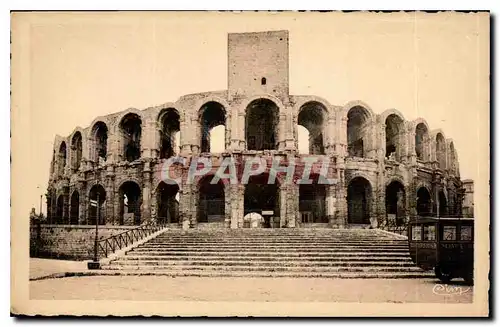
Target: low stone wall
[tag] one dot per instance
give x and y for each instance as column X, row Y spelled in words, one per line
column 73, row 242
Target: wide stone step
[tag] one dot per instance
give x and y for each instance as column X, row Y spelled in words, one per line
column 261, row 274
column 138, row 251
column 277, row 237
column 278, row 241
column 272, row 246
column 268, row 249
column 262, row 268
column 165, row 263
column 402, row 258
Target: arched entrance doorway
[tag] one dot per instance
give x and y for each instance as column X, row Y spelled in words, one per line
column 211, row 201
column 168, row 203
column 74, row 212
column 312, row 199
column 359, row 193
column 263, row 198
column 130, row 203
column 95, row 191
column 424, row 207
column 261, row 128
column 395, row 207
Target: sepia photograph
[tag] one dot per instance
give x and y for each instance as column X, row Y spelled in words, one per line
column 274, row 164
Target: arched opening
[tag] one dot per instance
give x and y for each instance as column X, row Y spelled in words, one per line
column 262, row 198
column 441, row 151
column 76, row 150
column 421, row 139
column 312, row 116
column 357, row 131
column 168, row 203
column 424, row 204
column 443, row 205
column 99, row 142
column 261, row 125
column 74, row 211
column 169, row 129
column 130, row 203
column 312, row 199
column 62, row 158
column 212, row 114
column 211, row 204
column 131, row 131
column 359, row 194
column 394, row 129
column 395, row 207
column 59, row 209
column 97, row 191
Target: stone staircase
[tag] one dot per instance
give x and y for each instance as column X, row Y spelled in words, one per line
column 329, row 253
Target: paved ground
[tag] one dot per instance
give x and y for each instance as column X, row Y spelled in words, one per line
column 248, row 289
column 40, row 268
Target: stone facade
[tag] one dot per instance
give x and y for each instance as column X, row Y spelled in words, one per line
column 387, row 168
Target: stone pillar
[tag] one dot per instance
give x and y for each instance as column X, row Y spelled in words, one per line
column 154, row 204
column 109, row 184
column 282, row 126
column 194, row 206
column 66, row 206
column 184, row 203
column 379, row 197
column 289, row 205
column 228, row 131
column 289, row 132
column 329, row 136
column 115, row 199
column 146, row 193
column 227, row 205
column 82, row 201
column 195, row 133
column 240, row 207
column 242, row 131
column 331, row 207
column 233, row 121
column 185, row 137
column 341, row 201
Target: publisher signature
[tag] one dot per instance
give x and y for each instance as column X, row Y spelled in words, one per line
column 441, row 289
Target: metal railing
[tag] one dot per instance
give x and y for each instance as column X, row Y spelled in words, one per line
column 119, row 241
column 398, row 226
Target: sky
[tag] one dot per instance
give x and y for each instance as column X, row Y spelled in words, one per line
column 85, row 65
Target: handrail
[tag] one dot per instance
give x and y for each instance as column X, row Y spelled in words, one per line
column 121, row 240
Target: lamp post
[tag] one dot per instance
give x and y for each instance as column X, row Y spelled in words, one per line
column 95, row 264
